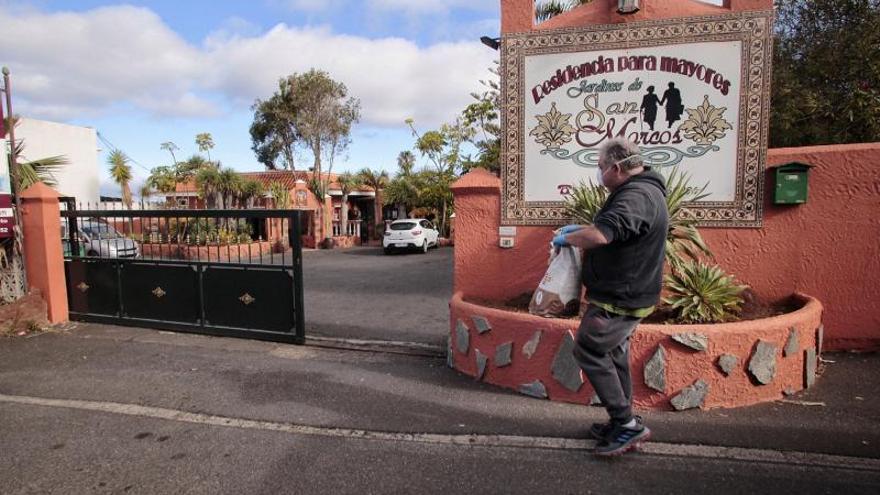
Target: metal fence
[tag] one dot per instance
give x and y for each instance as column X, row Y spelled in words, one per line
column 226, row 272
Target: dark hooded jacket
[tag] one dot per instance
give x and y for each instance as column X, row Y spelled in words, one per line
column 628, row 271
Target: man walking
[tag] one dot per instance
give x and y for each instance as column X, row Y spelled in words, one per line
column 623, row 273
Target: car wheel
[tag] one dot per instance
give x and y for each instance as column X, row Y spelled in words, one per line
column 386, row 250
column 92, row 253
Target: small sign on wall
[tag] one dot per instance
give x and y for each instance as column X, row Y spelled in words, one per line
column 7, row 217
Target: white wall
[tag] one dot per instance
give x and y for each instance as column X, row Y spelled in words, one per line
column 42, row 139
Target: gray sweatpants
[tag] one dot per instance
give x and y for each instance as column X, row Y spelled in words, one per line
column 602, row 351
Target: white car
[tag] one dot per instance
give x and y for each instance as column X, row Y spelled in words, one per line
column 410, row 233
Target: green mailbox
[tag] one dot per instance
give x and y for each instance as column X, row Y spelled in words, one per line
column 791, row 184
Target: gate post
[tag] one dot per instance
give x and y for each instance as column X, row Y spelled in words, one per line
column 44, row 259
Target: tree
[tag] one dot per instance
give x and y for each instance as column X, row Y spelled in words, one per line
column 164, row 180
column 377, row 180
column 347, row 183
column 443, row 149
column 403, row 190
column 205, row 143
column 482, row 116
column 171, row 148
column 208, row 183
column 826, row 68
column 273, row 131
column 120, row 172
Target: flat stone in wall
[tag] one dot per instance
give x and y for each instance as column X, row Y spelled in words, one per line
column 655, row 370
column 534, row 389
column 762, row 366
column 691, row 397
column 530, row 347
column 695, row 341
column 482, row 360
column 810, row 364
column 462, row 337
column 727, row 363
column 504, row 354
column 481, row 324
column 565, row 369
column 791, row 344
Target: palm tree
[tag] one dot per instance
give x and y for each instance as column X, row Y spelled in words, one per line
column 406, row 162
column 249, row 191
column 120, row 172
column 280, row 195
column 171, row 148
column 378, row 180
column 205, row 143
column 145, row 192
column 347, row 183
column 228, row 185
column 208, row 182
column 548, row 9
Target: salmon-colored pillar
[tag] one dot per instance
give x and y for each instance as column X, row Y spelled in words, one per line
column 517, row 16
column 44, row 260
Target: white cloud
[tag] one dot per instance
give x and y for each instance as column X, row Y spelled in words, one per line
column 70, row 64
column 394, row 78
column 431, row 7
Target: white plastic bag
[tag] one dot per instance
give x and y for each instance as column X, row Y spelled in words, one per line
column 559, row 292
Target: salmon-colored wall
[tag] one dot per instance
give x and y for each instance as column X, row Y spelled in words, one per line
column 44, row 261
column 828, row 248
column 517, row 16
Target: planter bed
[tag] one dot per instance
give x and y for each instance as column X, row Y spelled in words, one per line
column 673, row 366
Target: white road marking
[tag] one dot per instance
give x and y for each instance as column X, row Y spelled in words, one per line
column 805, row 459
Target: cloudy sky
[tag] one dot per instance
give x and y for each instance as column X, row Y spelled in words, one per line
column 142, row 73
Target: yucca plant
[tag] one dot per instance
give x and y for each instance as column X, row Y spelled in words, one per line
column 702, row 293
column 683, row 240
column 585, row 201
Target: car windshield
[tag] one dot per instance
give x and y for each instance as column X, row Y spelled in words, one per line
column 403, row 226
column 100, row 231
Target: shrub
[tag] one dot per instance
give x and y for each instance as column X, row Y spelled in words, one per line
column 700, row 293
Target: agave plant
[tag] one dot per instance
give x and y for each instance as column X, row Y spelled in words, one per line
column 683, row 240
column 585, row 201
column 702, row 293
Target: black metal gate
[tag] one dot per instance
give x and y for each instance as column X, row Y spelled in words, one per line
column 221, row 272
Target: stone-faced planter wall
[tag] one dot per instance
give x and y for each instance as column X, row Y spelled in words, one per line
column 709, row 366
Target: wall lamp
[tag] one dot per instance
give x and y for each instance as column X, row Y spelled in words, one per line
column 492, row 43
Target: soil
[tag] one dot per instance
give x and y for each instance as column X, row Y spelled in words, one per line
column 753, row 308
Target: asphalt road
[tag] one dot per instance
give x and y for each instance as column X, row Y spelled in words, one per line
column 362, row 294
column 124, row 410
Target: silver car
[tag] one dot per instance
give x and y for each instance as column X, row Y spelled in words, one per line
column 100, row 239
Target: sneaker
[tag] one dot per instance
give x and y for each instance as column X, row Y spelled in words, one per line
column 601, row 430
column 621, row 439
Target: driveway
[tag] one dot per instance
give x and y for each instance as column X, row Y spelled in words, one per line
column 361, row 293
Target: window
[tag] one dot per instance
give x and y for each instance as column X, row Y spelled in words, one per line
column 403, row 226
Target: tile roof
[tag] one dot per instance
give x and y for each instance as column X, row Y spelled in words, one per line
column 286, row 177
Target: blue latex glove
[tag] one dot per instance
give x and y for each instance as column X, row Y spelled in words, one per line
column 568, row 229
column 559, row 241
